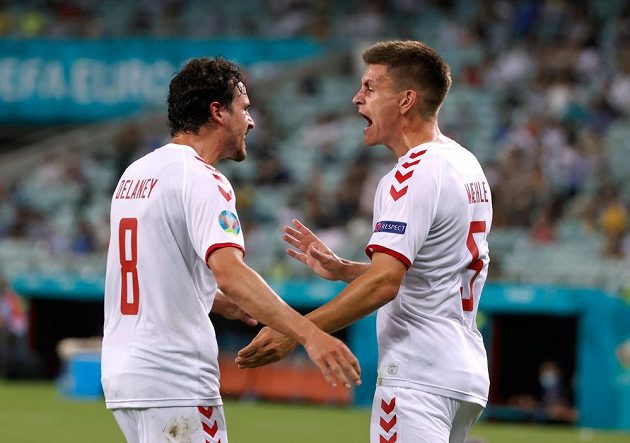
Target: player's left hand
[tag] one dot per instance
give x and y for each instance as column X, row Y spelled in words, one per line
column 268, row 346
column 226, row 308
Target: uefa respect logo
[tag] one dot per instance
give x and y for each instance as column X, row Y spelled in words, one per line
column 229, row 222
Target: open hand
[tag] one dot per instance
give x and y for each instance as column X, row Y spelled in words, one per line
column 269, row 346
column 332, row 356
column 312, row 251
column 334, row 359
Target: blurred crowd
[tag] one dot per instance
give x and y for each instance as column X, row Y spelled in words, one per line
column 553, row 141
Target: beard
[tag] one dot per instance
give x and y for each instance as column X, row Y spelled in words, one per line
column 235, row 148
column 238, row 153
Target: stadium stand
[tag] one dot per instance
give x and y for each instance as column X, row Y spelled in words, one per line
column 552, row 131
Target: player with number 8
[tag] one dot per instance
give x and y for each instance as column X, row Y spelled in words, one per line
column 176, row 252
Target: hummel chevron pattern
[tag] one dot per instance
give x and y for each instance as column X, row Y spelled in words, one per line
column 388, row 407
column 206, row 412
column 397, row 194
column 391, row 439
column 226, row 194
column 388, row 424
column 210, row 430
column 403, row 177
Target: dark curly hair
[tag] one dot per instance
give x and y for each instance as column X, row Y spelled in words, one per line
column 199, row 83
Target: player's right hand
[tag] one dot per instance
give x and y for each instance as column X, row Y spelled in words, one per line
column 333, row 358
column 312, row 251
column 269, row 346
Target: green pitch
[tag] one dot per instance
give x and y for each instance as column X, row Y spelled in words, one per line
column 35, row 412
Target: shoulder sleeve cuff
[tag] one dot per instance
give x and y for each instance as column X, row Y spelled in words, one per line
column 218, row 246
column 371, row 249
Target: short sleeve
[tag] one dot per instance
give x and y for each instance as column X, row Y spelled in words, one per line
column 404, row 209
column 210, row 205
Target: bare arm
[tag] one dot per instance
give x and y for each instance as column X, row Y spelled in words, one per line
column 320, row 258
column 251, row 293
column 368, row 292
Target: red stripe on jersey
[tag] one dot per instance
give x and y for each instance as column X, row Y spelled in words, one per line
column 397, row 194
column 217, row 246
column 417, row 154
column 402, row 177
column 205, row 162
column 409, row 164
column 371, row 249
column 226, row 194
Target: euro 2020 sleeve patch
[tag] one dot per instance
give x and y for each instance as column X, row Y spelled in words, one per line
column 229, row 222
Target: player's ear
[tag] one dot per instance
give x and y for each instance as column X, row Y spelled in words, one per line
column 408, row 100
column 217, row 112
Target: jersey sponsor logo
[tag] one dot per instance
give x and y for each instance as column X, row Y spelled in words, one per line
column 229, row 222
column 394, row 227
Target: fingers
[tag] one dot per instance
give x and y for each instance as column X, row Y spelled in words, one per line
column 297, row 255
column 261, row 358
column 337, row 364
column 255, row 354
column 349, row 367
column 249, row 321
column 289, row 231
column 302, row 228
column 341, row 369
column 294, row 242
column 320, row 256
column 252, row 348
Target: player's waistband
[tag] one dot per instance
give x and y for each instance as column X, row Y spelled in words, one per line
column 438, row 390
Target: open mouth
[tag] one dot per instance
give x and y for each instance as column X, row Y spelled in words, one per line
column 368, row 119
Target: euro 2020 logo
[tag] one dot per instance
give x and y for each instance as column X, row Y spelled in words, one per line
column 229, row 222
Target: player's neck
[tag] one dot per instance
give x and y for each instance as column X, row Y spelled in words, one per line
column 415, row 133
column 206, row 145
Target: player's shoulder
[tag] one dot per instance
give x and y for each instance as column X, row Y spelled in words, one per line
column 200, row 169
column 451, row 154
column 418, row 161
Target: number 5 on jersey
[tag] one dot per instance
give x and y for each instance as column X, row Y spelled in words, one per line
column 128, row 248
column 476, row 264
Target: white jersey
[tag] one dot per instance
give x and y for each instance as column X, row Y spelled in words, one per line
column 169, row 212
column 433, row 212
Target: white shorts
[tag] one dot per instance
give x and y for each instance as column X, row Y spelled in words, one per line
column 189, row 424
column 403, row 415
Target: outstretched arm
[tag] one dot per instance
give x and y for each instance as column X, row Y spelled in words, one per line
column 250, row 292
column 368, row 292
column 320, row 258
